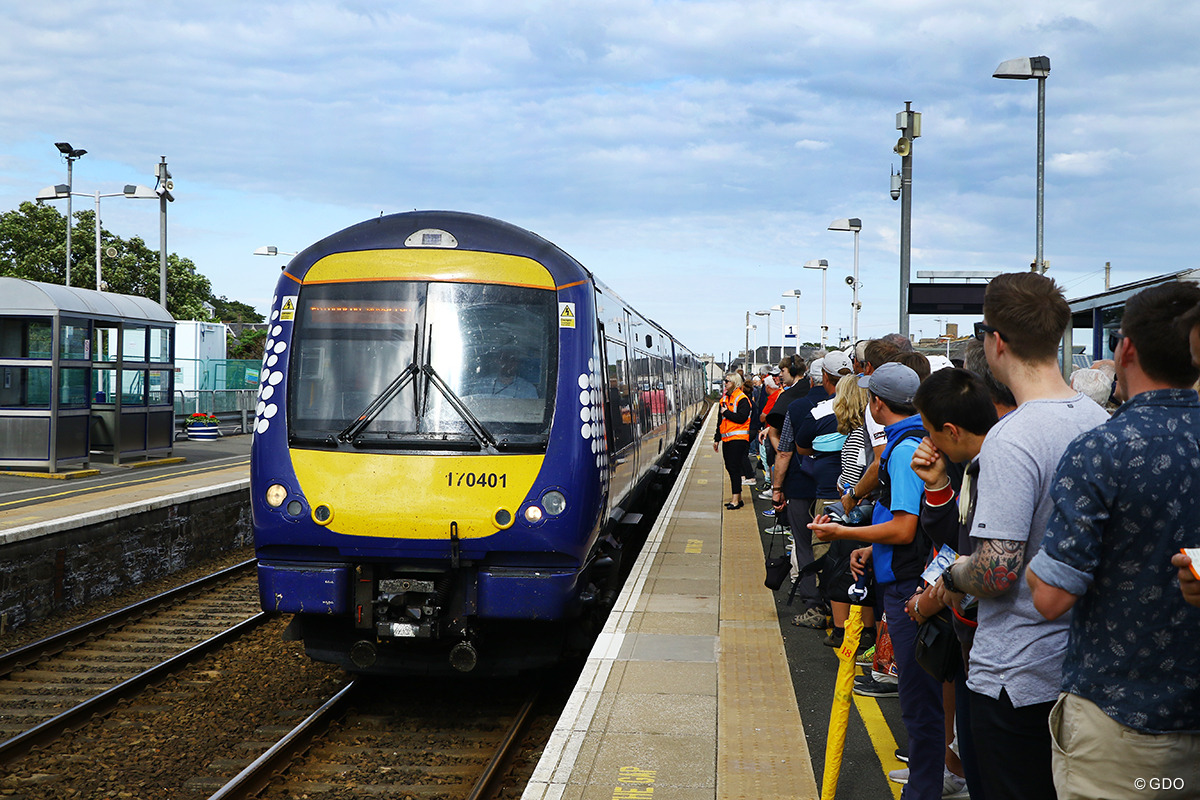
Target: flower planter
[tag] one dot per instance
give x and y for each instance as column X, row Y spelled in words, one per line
column 203, row 433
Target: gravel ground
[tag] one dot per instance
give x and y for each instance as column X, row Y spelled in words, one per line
column 189, row 734
column 184, row 738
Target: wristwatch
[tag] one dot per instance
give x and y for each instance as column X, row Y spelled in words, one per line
column 948, row 580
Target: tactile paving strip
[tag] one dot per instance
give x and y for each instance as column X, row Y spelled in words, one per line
column 761, row 748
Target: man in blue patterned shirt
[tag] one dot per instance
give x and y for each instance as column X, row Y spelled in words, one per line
column 1126, row 498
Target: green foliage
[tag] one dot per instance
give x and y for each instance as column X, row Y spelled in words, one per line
column 227, row 310
column 33, row 246
column 248, row 345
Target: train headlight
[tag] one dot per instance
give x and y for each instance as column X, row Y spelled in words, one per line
column 533, row 514
column 276, row 494
column 295, row 508
column 554, row 503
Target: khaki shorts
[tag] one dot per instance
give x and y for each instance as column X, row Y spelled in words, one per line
column 1096, row 756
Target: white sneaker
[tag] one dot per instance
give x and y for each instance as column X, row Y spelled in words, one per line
column 765, row 495
column 954, row 787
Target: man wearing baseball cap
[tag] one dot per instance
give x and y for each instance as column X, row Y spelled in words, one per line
column 897, row 555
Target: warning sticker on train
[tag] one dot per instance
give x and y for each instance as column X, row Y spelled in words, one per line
column 566, row 315
column 287, row 308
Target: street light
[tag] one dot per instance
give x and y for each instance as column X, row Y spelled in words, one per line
column 908, row 122
column 1023, row 69
column 271, row 250
column 823, row 265
column 766, row 314
column 62, row 190
column 780, row 308
column 852, row 224
column 796, row 294
column 70, row 154
column 163, row 187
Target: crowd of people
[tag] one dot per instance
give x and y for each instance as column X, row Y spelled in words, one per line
column 1062, row 511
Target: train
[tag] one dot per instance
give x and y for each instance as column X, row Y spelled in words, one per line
column 455, row 423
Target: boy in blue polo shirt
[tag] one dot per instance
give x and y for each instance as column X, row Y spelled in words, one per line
column 897, row 554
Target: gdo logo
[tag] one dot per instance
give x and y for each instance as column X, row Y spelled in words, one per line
column 1156, row 784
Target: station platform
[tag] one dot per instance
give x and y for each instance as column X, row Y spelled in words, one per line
column 688, row 691
column 35, row 505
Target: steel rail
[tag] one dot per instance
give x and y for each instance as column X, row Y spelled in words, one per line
column 488, row 784
column 257, row 776
column 53, row 728
column 51, row 645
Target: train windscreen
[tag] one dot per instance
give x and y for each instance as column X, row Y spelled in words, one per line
column 423, row 363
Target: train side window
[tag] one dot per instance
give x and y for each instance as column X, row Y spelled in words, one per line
column 617, row 397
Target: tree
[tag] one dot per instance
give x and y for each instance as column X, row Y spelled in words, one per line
column 33, row 246
column 227, row 310
column 248, row 344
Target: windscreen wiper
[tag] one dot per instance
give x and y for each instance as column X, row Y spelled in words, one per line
column 372, row 410
column 459, row 406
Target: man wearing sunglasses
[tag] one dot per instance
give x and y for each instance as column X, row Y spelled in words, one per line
column 1016, row 659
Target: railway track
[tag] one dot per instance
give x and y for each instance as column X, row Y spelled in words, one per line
column 372, row 740
column 56, row 684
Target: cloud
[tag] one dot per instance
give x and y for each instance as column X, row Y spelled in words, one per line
column 1084, row 165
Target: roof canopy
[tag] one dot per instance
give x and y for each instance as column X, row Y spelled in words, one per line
column 19, row 297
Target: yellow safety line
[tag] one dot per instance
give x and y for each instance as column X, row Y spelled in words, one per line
column 149, row 479
column 881, row 738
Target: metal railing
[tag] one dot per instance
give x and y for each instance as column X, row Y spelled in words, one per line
column 234, row 408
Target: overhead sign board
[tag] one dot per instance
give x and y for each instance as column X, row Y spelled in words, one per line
column 946, row 298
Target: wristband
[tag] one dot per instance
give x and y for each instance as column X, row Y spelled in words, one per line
column 939, row 497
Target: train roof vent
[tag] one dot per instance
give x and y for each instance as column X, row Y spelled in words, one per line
column 431, row 237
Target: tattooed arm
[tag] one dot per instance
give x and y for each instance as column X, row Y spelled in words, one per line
column 992, row 570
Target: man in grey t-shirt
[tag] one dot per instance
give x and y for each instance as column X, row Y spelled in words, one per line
column 1016, row 659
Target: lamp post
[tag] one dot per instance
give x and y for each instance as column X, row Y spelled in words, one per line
column 823, row 265
column 162, row 190
column 781, row 309
column 70, row 154
column 62, row 190
column 796, row 294
column 852, row 224
column 1023, row 69
column 766, row 314
column 908, row 122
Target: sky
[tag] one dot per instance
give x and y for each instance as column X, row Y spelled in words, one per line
column 691, row 154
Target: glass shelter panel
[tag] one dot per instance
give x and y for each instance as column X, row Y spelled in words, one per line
column 160, row 345
column 24, row 338
column 133, row 387
column 73, row 387
column 160, row 387
column 74, row 340
column 24, row 387
column 134, row 348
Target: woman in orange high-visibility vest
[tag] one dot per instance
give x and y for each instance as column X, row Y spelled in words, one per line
column 734, row 434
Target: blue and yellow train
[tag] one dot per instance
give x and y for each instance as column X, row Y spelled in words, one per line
column 454, row 422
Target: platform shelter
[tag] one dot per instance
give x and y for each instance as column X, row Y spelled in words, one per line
column 82, row 373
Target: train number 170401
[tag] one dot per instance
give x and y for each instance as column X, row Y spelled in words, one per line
column 491, row 480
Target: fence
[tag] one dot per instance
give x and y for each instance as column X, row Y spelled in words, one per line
column 233, row 407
